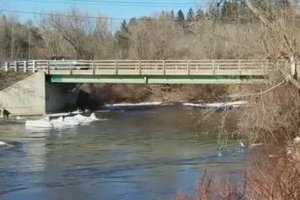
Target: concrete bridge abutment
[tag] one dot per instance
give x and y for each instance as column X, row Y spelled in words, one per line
column 35, row 96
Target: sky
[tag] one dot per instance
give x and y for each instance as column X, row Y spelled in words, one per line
column 121, row 9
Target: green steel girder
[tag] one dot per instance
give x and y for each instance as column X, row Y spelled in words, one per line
column 156, row 79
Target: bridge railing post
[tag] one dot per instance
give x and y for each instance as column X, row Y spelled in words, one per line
column 25, row 66
column 116, row 67
column 93, row 66
column 6, row 66
column 33, row 66
column 71, row 68
column 188, row 67
column 48, row 67
column 240, row 67
column 16, row 66
column 262, row 68
column 140, row 67
column 214, row 67
column 164, row 67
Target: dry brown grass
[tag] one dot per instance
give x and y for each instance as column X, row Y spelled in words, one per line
column 268, row 179
column 277, row 180
column 9, row 78
column 212, row 188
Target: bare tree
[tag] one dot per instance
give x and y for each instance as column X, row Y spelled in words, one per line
column 279, row 24
column 85, row 35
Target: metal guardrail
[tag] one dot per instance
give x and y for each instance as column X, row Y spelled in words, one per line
column 144, row 67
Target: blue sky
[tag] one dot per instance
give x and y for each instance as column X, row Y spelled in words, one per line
column 96, row 7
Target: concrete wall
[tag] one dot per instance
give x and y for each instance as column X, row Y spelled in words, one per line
column 26, row 97
column 33, row 96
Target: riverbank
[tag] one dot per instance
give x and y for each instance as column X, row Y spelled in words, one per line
column 133, row 93
column 270, row 125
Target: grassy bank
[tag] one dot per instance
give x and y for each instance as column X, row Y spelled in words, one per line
column 9, row 78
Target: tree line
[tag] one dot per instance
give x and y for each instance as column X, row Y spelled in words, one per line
column 227, row 29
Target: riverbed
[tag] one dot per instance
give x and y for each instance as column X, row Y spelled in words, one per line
column 144, row 154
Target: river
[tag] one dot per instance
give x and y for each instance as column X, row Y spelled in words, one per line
column 145, row 154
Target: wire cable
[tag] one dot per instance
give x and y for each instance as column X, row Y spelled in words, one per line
column 84, row 16
column 121, row 4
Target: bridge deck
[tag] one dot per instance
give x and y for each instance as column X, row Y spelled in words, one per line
column 147, row 71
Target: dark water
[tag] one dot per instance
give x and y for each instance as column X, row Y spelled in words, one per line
column 153, row 154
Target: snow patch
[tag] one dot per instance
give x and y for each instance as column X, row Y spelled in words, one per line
column 157, row 103
column 61, row 122
column 234, row 104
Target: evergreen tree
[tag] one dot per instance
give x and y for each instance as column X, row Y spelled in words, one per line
column 172, row 14
column 124, row 25
column 190, row 15
column 199, row 14
column 180, row 17
column 213, row 12
column 132, row 22
column 122, row 37
column 230, row 11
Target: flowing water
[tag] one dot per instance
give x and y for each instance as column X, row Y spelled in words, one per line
column 149, row 154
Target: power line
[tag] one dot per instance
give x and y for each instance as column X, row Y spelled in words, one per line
column 121, row 3
column 83, row 16
column 56, row 14
column 142, row 2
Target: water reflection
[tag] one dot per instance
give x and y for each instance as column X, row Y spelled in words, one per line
column 134, row 155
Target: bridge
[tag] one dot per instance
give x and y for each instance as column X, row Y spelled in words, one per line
column 50, row 86
column 147, row 71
